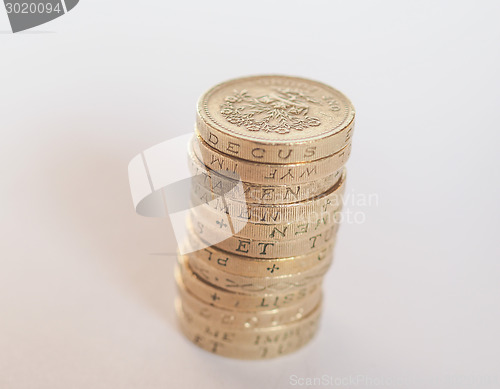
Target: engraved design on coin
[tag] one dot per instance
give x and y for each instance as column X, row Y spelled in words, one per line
column 280, row 111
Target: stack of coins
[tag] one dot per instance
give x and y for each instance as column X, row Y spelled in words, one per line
column 268, row 159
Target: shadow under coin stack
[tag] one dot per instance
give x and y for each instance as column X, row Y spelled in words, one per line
column 268, row 156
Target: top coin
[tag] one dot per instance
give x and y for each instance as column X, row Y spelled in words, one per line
column 275, row 119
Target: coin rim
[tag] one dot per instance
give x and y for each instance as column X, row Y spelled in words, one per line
column 207, row 118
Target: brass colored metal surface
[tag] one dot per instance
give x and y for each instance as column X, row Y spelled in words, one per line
column 249, row 302
column 209, row 184
column 267, row 160
column 256, row 267
column 275, row 119
column 248, row 319
column 263, row 173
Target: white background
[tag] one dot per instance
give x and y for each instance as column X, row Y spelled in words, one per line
column 413, row 298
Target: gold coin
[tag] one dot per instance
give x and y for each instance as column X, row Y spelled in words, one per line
column 246, row 302
column 258, row 231
column 257, row 285
column 209, row 184
column 306, row 210
column 267, row 351
column 275, row 119
column 251, row 319
column 271, row 248
column 255, row 336
column 260, row 173
column 255, row 267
